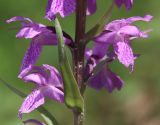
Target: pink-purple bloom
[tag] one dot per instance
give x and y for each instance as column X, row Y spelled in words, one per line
column 104, row 78
column 107, row 79
column 48, row 84
column 63, row 7
column 128, row 3
column 40, row 34
column 119, row 34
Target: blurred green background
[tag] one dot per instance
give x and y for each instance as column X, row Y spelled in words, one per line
column 138, row 103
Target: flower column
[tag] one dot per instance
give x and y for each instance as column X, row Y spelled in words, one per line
column 78, row 61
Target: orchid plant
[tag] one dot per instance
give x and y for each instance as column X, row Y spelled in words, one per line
column 90, row 67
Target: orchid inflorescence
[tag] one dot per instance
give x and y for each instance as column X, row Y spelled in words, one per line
column 95, row 62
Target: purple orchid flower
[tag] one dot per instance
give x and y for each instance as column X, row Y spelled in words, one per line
column 63, row 7
column 33, row 121
column 47, row 85
column 128, row 3
column 41, row 35
column 104, row 78
column 119, row 33
column 66, row 7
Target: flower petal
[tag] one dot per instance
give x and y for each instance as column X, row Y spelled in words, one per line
column 146, row 18
column 35, row 48
column 31, row 102
column 32, row 54
column 54, row 93
column 124, row 53
column 19, row 18
column 106, row 79
column 63, row 7
column 34, row 74
column 128, row 4
column 24, row 72
column 114, row 81
column 119, row 2
column 116, row 25
column 27, row 32
column 55, row 77
column 88, row 53
column 100, row 49
column 106, row 37
column 91, row 7
column 29, row 28
column 41, row 77
column 46, row 38
column 97, row 82
column 131, row 31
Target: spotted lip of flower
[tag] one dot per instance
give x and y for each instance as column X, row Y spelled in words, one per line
column 47, row 85
column 128, row 3
column 66, row 7
column 105, row 78
column 119, row 34
column 40, row 34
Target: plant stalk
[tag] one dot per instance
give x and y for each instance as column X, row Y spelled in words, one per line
column 78, row 118
column 79, row 49
column 79, row 45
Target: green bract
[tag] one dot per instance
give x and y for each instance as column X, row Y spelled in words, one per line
column 73, row 98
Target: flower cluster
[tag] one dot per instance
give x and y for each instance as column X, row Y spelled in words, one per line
column 117, row 34
column 66, row 7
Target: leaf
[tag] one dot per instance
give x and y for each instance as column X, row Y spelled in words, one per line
column 41, row 109
column 48, row 115
column 99, row 27
column 47, row 120
column 13, row 89
column 73, row 98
